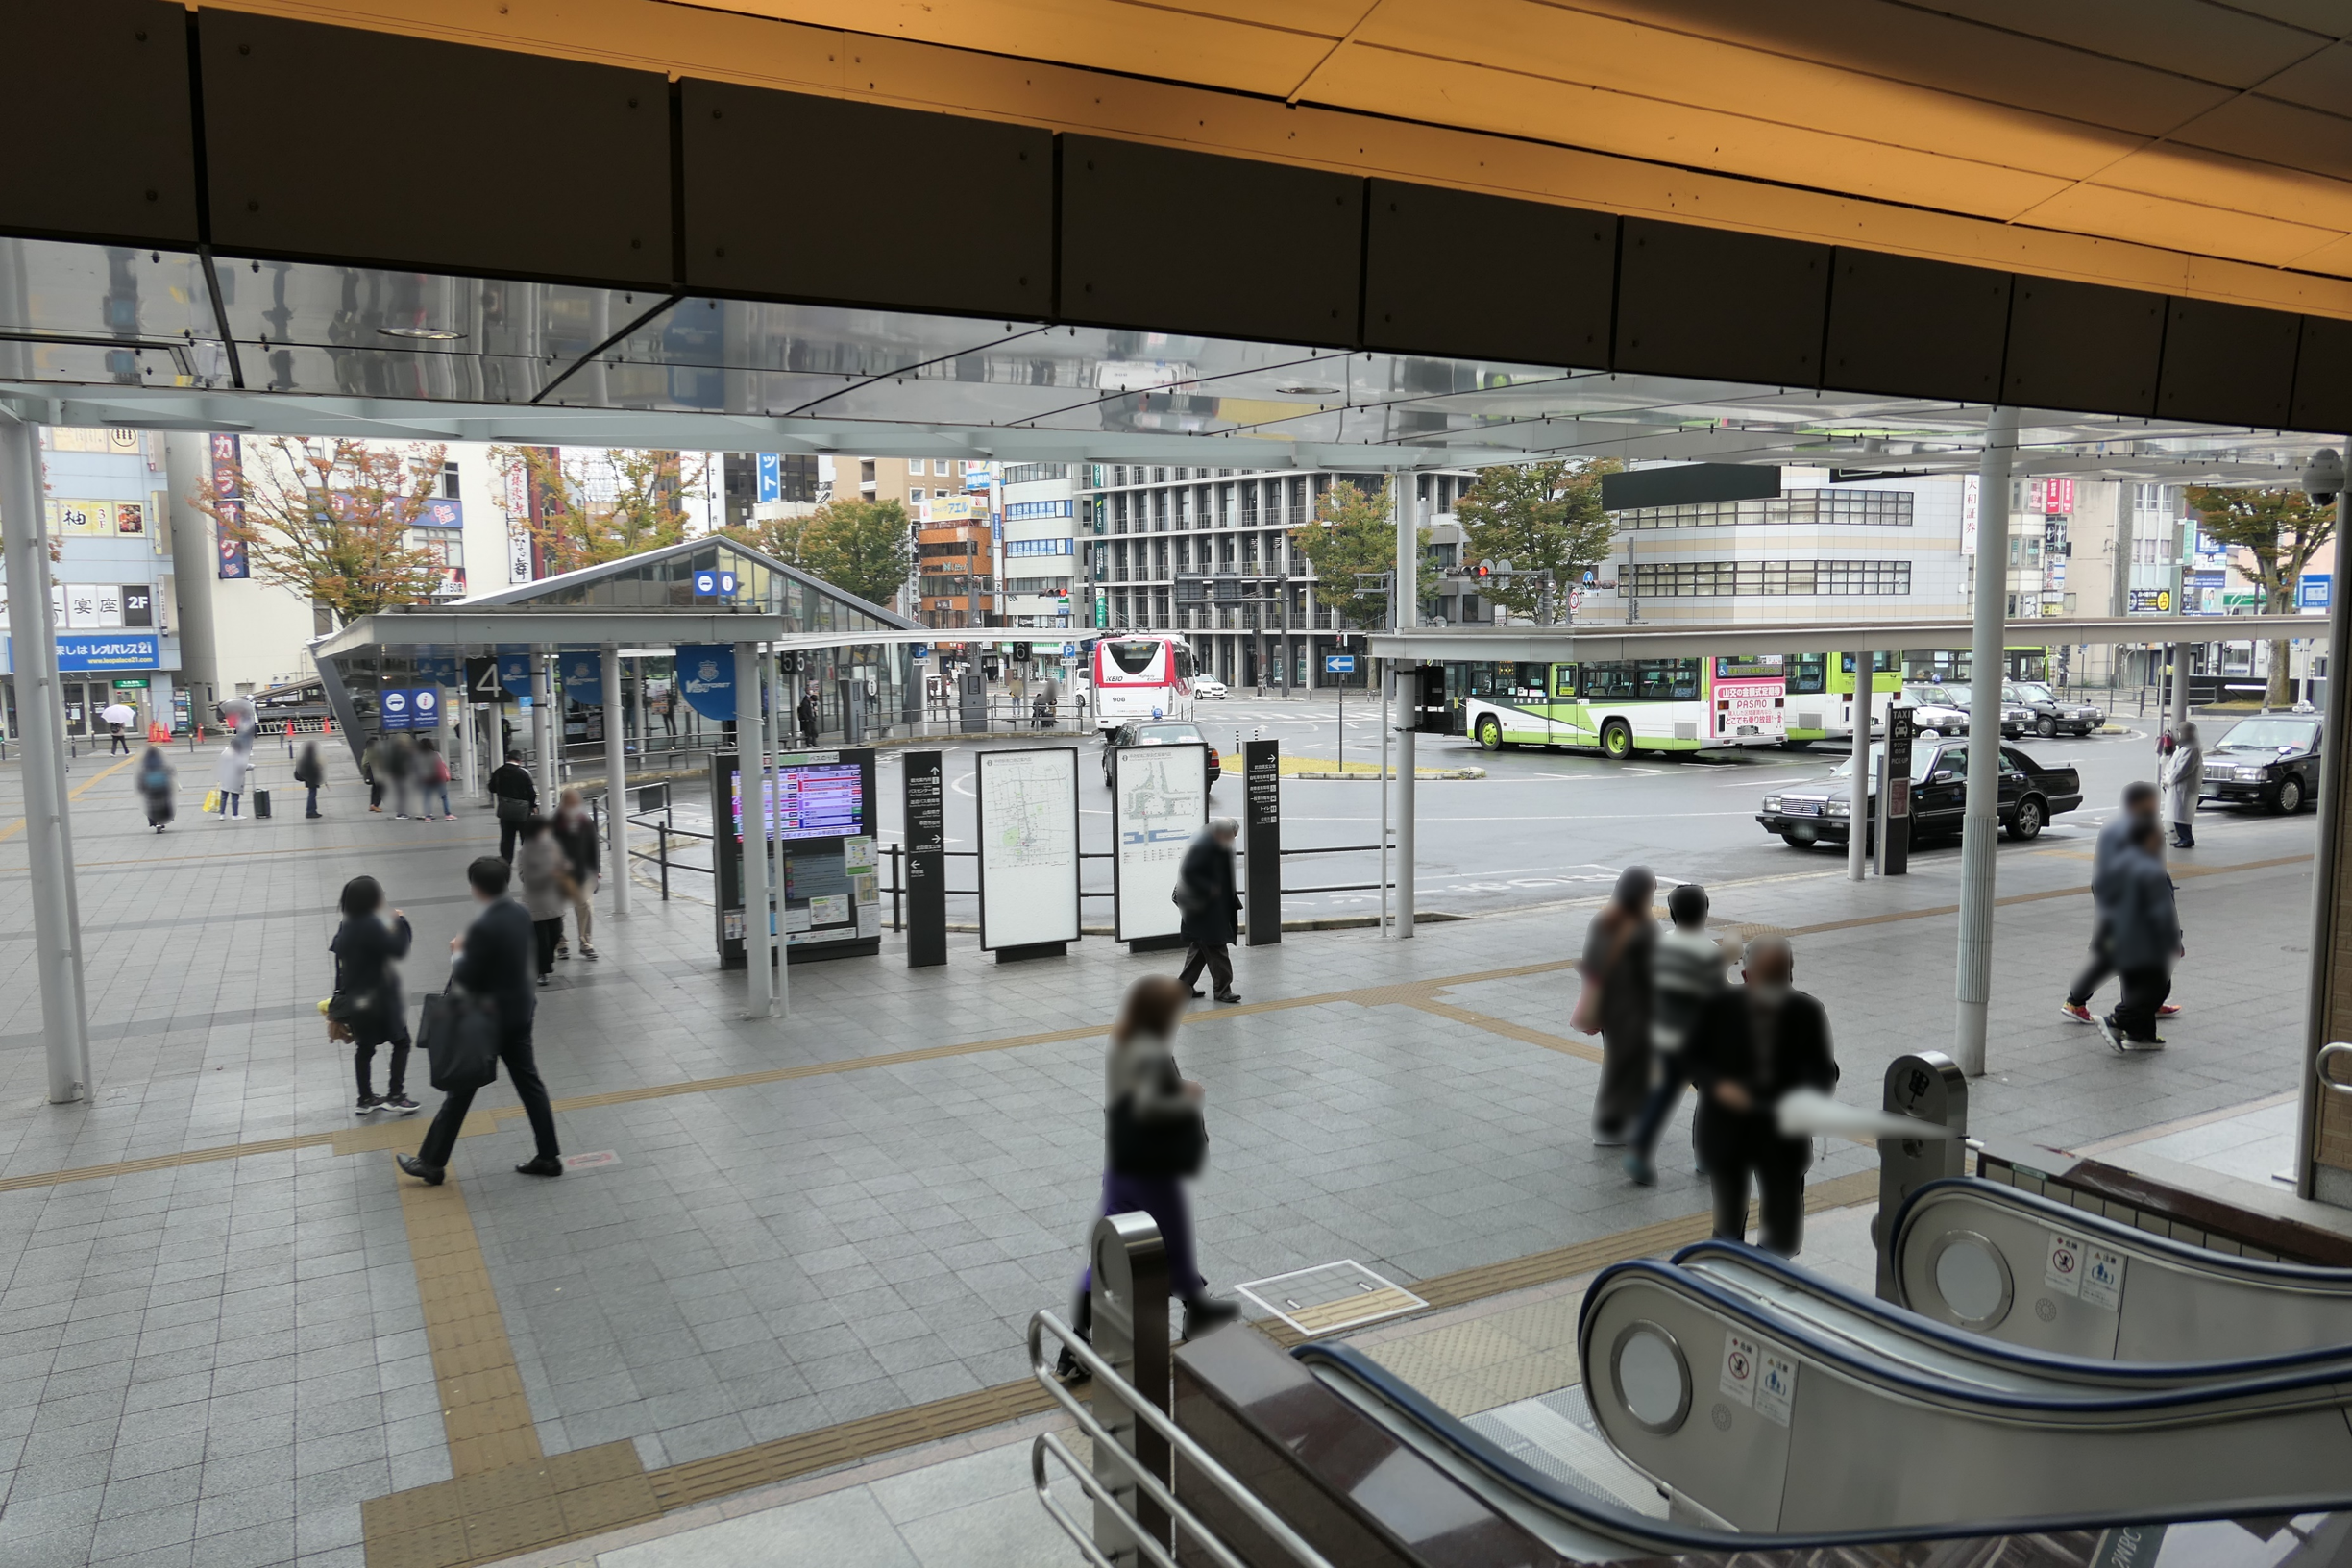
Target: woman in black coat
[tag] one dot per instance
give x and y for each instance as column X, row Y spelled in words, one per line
column 1751, row 1045
column 367, row 999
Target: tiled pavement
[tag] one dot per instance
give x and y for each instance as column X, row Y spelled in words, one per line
column 217, row 1363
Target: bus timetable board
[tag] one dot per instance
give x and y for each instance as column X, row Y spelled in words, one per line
column 821, row 813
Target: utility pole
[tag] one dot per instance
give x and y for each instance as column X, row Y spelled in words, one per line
column 1980, row 824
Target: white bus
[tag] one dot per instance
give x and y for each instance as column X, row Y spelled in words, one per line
column 1141, row 676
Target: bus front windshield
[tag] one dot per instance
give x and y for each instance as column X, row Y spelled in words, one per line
column 1132, row 660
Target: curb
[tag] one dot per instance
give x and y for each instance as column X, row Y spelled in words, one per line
column 1419, row 773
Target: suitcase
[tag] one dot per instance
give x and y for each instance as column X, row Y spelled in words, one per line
column 260, row 802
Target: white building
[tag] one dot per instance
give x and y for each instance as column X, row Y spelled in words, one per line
column 1038, row 554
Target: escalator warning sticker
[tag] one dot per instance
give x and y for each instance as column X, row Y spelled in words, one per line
column 1776, row 1386
column 2062, row 1268
column 2102, row 1279
column 1739, row 1370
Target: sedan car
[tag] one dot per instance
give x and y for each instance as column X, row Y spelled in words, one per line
column 2016, row 717
column 1935, row 711
column 1203, row 686
column 2052, row 714
column 2271, row 761
column 1155, row 732
column 2030, row 795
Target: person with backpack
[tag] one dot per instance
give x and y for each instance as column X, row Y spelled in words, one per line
column 432, row 777
column 311, row 772
column 154, row 782
column 516, row 794
column 367, row 1002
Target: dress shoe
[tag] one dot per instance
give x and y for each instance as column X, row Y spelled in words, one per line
column 545, row 1164
column 430, row 1175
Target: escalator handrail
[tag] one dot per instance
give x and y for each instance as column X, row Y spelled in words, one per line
column 1999, row 1352
column 1641, row 1530
column 1883, row 1370
column 2066, row 1217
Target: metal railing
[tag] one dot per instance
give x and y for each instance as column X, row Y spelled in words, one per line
column 2337, row 1050
column 894, row 852
column 1179, row 1441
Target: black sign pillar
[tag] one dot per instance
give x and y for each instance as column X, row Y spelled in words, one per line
column 927, row 860
column 1261, row 778
column 1895, row 851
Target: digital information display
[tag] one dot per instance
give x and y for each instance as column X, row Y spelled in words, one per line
column 810, row 800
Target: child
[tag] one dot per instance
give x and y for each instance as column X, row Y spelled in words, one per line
column 367, row 1001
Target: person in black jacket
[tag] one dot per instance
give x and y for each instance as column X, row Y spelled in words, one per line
column 1751, row 1045
column 516, row 795
column 494, row 961
column 576, row 833
column 2146, row 937
column 806, row 712
column 367, row 1001
column 1205, row 893
column 311, row 772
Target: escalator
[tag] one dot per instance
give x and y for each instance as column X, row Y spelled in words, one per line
column 2043, row 1275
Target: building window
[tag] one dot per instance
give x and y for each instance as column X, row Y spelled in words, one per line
column 1807, row 508
column 1721, row 579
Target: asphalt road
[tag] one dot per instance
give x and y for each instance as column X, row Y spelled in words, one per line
column 1542, row 827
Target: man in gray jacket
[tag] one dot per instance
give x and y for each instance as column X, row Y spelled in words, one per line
column 2146, row 938
column 2140, row 807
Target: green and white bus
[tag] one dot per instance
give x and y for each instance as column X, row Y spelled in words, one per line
column 1821, row 686
column 1628, row 705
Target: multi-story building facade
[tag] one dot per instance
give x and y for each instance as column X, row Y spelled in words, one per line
column 1208, row 552
column 113, row 580
column 1040, row 550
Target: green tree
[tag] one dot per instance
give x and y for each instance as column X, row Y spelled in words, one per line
column 2281, row 531
column 598, row 505
column 331, row 519
column 1540, row 517
column 1352, row 532
column 860, row 547
column 780, row 538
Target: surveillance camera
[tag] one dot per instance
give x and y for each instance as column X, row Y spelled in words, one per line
column 2323, row 477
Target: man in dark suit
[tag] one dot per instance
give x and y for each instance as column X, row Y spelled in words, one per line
column 1749, row 1045
column 1205, row 892
column 496, row 961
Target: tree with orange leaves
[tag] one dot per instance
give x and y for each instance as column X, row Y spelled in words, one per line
column 331, row 520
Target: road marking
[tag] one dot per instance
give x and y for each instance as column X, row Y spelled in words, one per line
column 74, row 794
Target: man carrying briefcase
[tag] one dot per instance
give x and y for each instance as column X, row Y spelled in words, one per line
column 493, row 971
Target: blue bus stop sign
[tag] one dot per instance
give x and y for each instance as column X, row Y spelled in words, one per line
column 1338, row 664
column 705, row 584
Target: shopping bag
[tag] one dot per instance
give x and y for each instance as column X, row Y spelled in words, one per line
column 459, row 1032
column 212, row 800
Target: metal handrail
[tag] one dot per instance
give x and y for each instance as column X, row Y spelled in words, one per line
column 1178, row 1439
column 2334, row 1050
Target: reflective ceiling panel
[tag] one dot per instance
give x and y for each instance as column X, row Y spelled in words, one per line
column 107, row 314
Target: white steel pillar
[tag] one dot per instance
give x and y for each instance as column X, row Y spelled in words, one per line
column 1407, row 598
column 1857, row 820
column 615, row 778
column 1980, row 825
column 546, row 733
column 57, row 927
column 759, row 940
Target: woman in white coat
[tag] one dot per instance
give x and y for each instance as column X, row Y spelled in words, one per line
column 2184, row 780
column 234, row 763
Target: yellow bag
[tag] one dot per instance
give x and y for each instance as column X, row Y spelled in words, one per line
column 212, row 800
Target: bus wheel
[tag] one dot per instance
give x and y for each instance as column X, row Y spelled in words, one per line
column 1617, row 740
column 1490, row 733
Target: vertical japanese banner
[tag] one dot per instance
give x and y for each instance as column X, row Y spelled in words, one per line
column 518, row 524
column 229, row 489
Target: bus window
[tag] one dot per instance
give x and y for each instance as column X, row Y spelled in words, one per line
column 1564, row 680
column 1610, row 682
column 1666, row 681
column 1134, row 657
column 1808, row 672
column 1528, row 683
column 1748, row 667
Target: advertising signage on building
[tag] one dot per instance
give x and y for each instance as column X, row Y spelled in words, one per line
column 2151, row 602
column 102, row 651
column 229, row 493
column 518, row 524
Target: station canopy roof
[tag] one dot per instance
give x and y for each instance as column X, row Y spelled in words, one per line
column 106, row 335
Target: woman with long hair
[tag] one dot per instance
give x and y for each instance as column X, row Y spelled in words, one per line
column 367, row 1004
column 1155, row 1140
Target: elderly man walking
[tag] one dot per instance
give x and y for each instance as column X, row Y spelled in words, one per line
column 1206, row 893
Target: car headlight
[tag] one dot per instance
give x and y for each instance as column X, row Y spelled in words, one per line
column 1772, row 802
column 2252, row 775
column 1838, row 808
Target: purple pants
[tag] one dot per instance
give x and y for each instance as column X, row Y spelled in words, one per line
column 1163, row 1197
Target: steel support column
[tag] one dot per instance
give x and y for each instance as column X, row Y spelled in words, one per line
column 1981, row 825
column 615, row 778
column 41, row 711
column 2328, row 879
column 1407, row 600
column 1858, row 816
column 750, row 754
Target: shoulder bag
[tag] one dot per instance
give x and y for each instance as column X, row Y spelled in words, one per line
column 459, row 1032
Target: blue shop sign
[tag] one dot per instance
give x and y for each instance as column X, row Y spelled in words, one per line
column 706, row 678
column 102, row 651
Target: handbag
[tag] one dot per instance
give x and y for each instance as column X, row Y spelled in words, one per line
column 1170, row 1145
column 212, row 800
column 459, row 1032
column 513, row 810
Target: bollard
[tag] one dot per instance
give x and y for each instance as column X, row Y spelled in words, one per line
column 1929, row 1087
column 1130, row 1331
